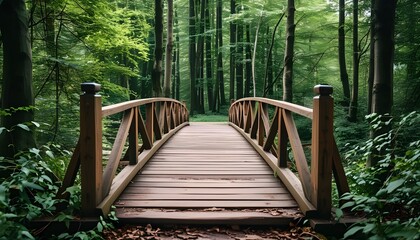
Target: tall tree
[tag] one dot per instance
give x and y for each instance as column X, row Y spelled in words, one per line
column 157, row 66
column 371, row 56
column 17, row 93
column 169, row 46
column 232, row 51
column 344, row 77
column 239, row 59
column 192, row 57
column 219, row 94
column 352, row 116
column 248, row 65
column 382, row 92
column 289, row 52
column 209, row 63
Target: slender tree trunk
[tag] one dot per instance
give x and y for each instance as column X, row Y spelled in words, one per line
column 289, row 52
column 220, row 86
column 209, row 63
column 200, row 60
column 254, row 53
column 248, row 66
column 157, row 66
column 371, row 56
column 169, row 46
column 192, row 57
column 178, row 71
column 232, row 51
column 17, row 89
column 382, row 95
column 239, row 61
column 352, row 116
column 342, row 54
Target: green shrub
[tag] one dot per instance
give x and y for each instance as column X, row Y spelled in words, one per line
column 391, row 207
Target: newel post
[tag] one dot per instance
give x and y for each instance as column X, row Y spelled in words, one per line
column 91, row 147
column 322, row 149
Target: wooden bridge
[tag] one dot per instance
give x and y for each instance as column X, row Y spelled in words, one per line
column 162, row 169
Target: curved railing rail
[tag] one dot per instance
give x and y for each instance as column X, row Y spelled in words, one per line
column 101, row 186
column 270, row 136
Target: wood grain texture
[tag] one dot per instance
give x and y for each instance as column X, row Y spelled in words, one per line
column 204, row 166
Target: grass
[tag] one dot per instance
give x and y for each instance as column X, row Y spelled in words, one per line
column 209, row 118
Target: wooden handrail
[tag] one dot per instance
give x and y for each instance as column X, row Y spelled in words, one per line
column 164, row 116
column 312, row 190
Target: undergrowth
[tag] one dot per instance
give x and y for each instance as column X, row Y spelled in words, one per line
column 28, row 186
column 390, row 205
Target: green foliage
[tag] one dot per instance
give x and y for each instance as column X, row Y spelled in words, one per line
column 391, row 207
column 27, row 193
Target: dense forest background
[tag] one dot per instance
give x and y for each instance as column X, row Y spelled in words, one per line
column 211, row 51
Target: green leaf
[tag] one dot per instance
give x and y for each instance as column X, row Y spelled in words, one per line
column 394, row 185
column 50, row 154
column 352, row 231
column 347, row 205
column 100, row 227
column 339, row 213
column 32, row 185
column 35, row 123
column 28, row 235
column 2, row 128
column 24, row 127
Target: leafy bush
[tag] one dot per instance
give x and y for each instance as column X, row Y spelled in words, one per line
column 391, row 207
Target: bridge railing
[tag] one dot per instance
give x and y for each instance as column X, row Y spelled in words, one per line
column 270, row 135
column 100, row 185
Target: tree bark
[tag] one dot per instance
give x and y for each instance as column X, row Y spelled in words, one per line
column 232, row 51
column 248, row 65
column 192, row 57
column 17, row 89
column 344, row 77
column 157, row 66
column 219, row 96
column 382, row 95
column 289, row 52
column 371, row 56
column 352, row 115
column 169, row 46
column 239, row 61
column 209, row 64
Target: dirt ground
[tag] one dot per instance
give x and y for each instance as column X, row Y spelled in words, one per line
column 211, row 232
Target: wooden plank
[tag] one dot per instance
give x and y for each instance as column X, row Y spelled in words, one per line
column 131, row 189
column 151, row 216
column 237, row 197
column 183, row 172
column 206, row 185
column 206, row 204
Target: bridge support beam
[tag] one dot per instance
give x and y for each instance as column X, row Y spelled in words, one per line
column 91, row 148
column 322, row 150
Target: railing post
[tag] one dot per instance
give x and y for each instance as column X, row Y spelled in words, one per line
column 91, row 148
column 322, row 149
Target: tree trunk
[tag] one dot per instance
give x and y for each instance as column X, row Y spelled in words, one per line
column 157, row 66
column 232, row 51
column 200, row 60
column 344, row 77
column 209, row 69
column 382, row 95
column 169, row 46
column 371, row 56
column 239, row 61
column 352, row 116
column 192, row 57
column 17, row 89
column 289, row 52
column 220, row 86
column 248, row 66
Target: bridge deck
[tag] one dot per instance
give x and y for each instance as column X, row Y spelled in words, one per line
column 203, row 169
